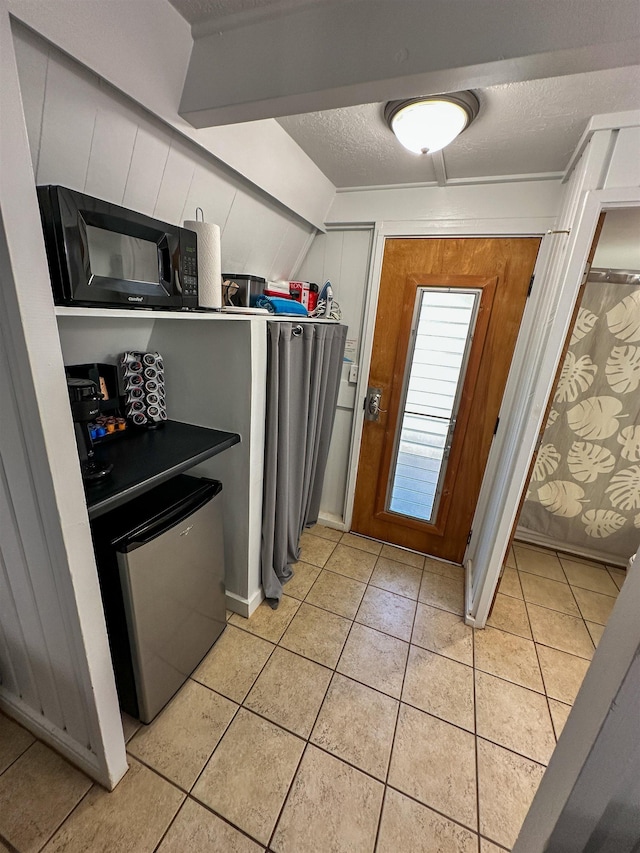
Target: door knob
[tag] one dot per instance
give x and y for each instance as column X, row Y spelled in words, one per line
column 372, row 404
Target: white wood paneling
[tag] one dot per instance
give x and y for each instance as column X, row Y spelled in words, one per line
column 211, row 191
column 457, row 203
column 176, row 182
column 142, row 48
column 342, row 257
column 624, row 168
column 33, row 63
column 111, row 152
column 94, row 139
column 61, row 683
column 150, row 152
column 68, row 120
column 287, row 258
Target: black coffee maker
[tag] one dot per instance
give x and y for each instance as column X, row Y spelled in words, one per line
column 84, row 396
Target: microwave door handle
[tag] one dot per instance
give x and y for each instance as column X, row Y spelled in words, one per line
column 164, row 263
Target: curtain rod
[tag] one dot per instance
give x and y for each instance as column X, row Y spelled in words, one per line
column 613, row 276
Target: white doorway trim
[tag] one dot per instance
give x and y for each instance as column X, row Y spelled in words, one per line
column 520, row 227
column 508, row 471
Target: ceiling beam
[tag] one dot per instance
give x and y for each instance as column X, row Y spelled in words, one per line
column 437, row 159
column 323, row 56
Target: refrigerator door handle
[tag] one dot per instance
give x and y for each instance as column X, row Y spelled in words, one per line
column 166, row 521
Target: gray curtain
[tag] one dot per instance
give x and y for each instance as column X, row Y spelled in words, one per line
column 303, row 378
column 585, row 486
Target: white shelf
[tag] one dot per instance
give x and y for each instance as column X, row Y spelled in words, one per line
column 148, row 314
column 143, row 314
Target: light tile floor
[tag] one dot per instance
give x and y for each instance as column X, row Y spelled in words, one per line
column 361, row 715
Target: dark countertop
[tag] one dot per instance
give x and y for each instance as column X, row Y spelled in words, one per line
column 145, row 458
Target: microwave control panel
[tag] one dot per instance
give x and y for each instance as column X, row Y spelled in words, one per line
column 189, row 256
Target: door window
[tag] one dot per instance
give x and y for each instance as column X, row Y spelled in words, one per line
column 441, row 337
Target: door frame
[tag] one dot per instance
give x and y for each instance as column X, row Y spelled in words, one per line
column 563, row 270
column 498, row 228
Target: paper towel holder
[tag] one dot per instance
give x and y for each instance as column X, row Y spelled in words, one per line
column 209, row 261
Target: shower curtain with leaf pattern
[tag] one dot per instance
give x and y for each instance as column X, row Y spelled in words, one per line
column 585, row 487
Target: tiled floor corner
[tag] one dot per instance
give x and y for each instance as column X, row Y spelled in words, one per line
column 361, row 715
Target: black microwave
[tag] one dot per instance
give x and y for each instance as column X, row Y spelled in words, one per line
column 103, row 255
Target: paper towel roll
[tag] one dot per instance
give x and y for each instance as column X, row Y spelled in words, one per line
column 209, row 263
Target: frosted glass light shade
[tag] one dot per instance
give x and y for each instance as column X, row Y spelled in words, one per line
column 428, row 124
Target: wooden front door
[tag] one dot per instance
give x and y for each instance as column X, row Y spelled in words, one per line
column 448, row 316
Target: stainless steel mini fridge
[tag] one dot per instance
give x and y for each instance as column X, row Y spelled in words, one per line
column 161, row 569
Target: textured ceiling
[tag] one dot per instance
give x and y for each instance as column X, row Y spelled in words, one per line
column 523, row 128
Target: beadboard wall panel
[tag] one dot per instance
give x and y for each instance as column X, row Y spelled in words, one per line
column 54, row 672
column 341, row 257
column 86, row 135
column 37, row 642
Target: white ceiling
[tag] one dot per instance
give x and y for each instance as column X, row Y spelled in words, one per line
column 523, row 128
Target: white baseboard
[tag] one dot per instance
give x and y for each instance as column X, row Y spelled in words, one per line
column 54, row 737
column 532, row 537
column 333, row 521
column 244, row 606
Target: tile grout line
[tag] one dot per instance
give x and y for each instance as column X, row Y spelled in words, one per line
column 544, row 683
column 275, row 645
column 8, row 844
column 475, row 732
column 25, row 750
column 395, row 728
column 308, row 739
column 584, row 621
column 70, row 813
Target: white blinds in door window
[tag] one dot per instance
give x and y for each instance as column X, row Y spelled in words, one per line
column 441, row 337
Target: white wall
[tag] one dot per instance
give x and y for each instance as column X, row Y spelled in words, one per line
column 619, row 243
column 342, row 257
column 142, row 47
column 86, row 135
column 55, row 671
column 516, row 200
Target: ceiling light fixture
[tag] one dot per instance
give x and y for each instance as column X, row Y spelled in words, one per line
column 425, row 125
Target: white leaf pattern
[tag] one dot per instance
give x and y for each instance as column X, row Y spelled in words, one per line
column 586, row 461
column 623, row 369
column 585, row 321
column 600, row 523
column 576, row 377
column 595, row 417
column 553, row 417
column 624, row 490
column 592, row 493
column 624, row 318
column 547, row 461
column 629, row 438
column 561, row 497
